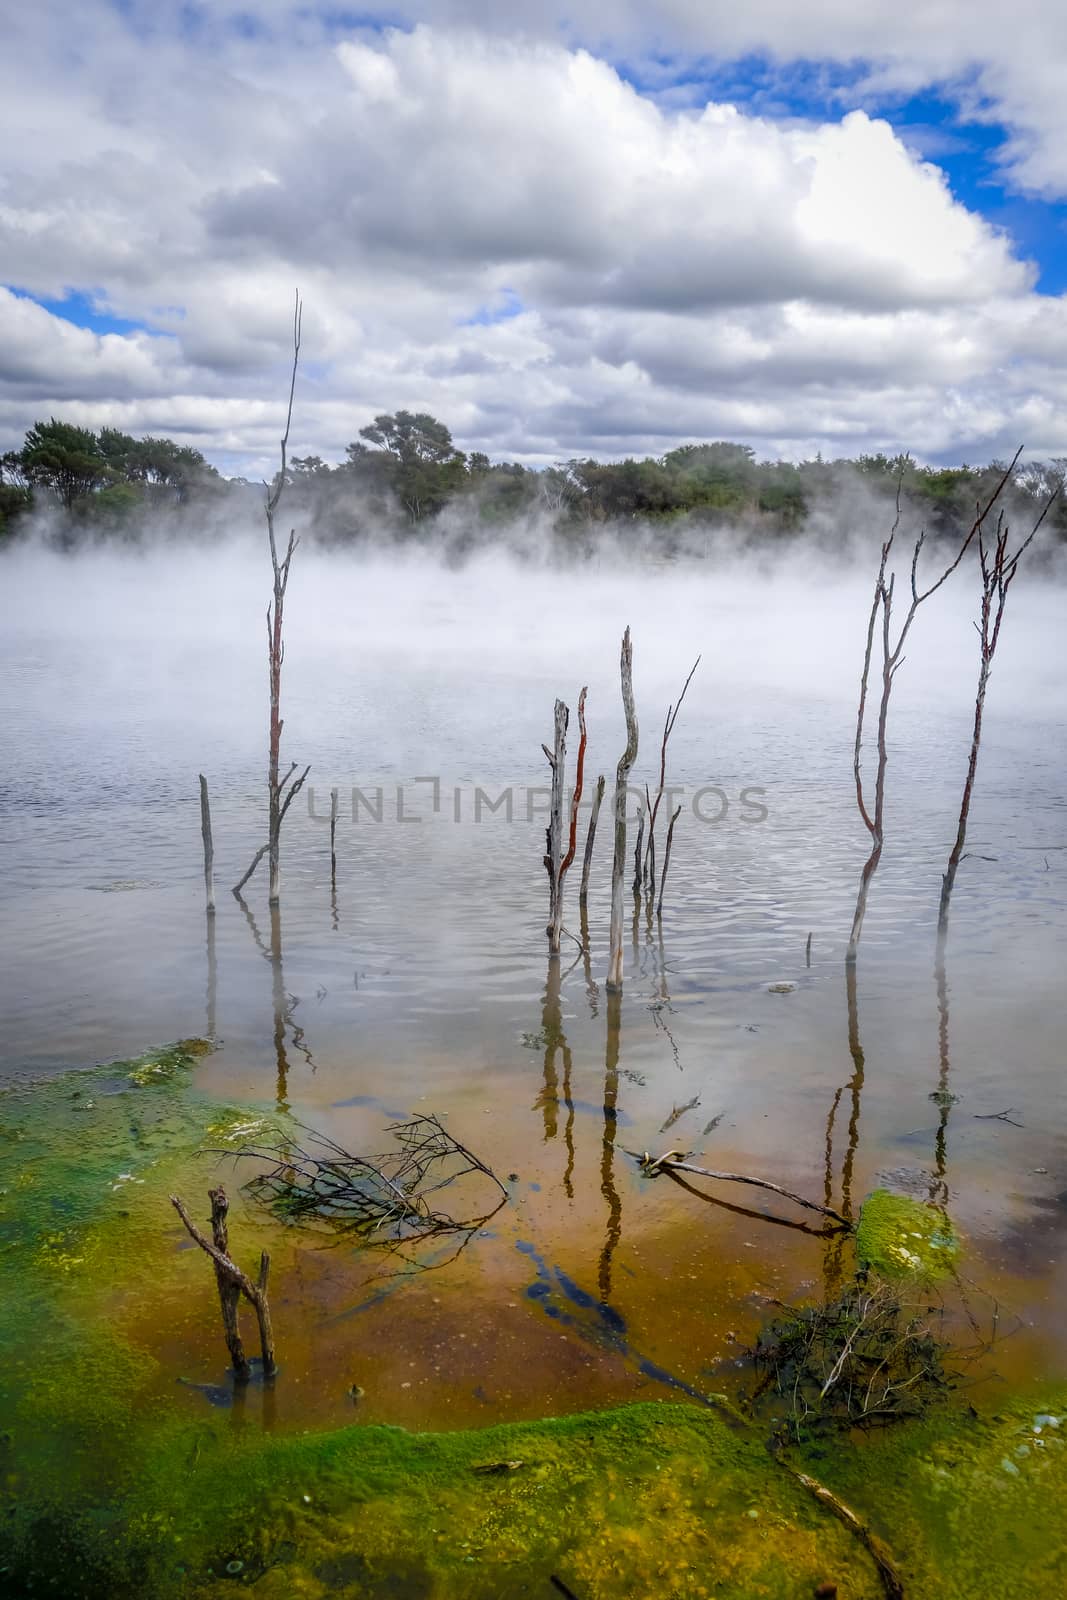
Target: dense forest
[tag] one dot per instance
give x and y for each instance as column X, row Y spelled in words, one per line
column 403, row 479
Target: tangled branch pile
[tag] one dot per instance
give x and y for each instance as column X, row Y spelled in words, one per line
column 391, row 1194
column 865, row 1359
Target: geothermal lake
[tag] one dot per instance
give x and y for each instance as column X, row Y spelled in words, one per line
column 422, row 982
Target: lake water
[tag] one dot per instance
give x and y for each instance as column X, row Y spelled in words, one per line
column 422, row 982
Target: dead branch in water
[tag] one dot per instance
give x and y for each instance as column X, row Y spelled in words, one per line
column 209, row 847
column 388, row 1194
column 642, row 813
column 587, row 859
column 675, row 1161
column 878, row 1551
column 668, row 729
column 667, row 859
column 626, row 761
column 892, row 658
column 278, row 801
column 232, row 1284
column 998, row 570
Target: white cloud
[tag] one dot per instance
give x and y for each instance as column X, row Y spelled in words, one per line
column 682, row 273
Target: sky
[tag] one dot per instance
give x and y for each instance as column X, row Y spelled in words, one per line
column 605, row 228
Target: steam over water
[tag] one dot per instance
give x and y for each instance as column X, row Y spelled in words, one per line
column 425, row 983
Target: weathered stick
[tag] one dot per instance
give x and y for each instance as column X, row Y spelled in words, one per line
column 674, row 1161
column 209, row 847
column 587, row 860
column 891, row 1579
column 667, row 859
column 333, row 838
column 553, row 857
column 232, row 1284
column 626, row 761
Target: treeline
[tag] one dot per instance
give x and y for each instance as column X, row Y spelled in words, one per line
column 403, row 479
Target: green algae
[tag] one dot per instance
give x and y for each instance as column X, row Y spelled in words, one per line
column 111, row 1487
column 902, row 1238
column 974, row 1505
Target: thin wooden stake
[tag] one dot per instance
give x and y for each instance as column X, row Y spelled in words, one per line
column 587, row 860
column 209, row 847
column 622, row 773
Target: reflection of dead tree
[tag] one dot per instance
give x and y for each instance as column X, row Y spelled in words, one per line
column 626, row 761
column 998, row 570
column 607, row 1150
column 892, row 656
column 281, row 791
column 283, row 1004
column 388, row 1195
column 675, row 1161
column 232, row 1284
column 668, row 729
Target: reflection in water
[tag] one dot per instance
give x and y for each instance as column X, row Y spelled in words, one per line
column 283, row 1005
column 607, row 1158
column 548, row 1099
column 939, row 1181
column 832, row 1261
column 825, row 1230
column 555, row 1040
column 212, row 979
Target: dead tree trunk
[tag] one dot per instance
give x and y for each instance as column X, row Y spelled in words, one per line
column 626, row 761
column 280, row 790
column 233, row 1283
column 209, row 847
column 998, row 570
column 553, row 857
column 892, row 657
column 572, row 841
column 587, row 860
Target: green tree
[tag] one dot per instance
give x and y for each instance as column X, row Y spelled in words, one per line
column 64, row 459
column 426, row 467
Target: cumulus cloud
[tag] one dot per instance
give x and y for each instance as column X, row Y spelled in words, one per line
column 503, row 230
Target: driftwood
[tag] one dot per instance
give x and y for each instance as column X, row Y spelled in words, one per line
column 280, row 791
column 998, row 570
column 388, row 1195
column 232, row 1284
column 675, row 1161
column 892, row 1582
column 587, row 859
column 626, row 761
column 209, row 847
column 892, row 658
